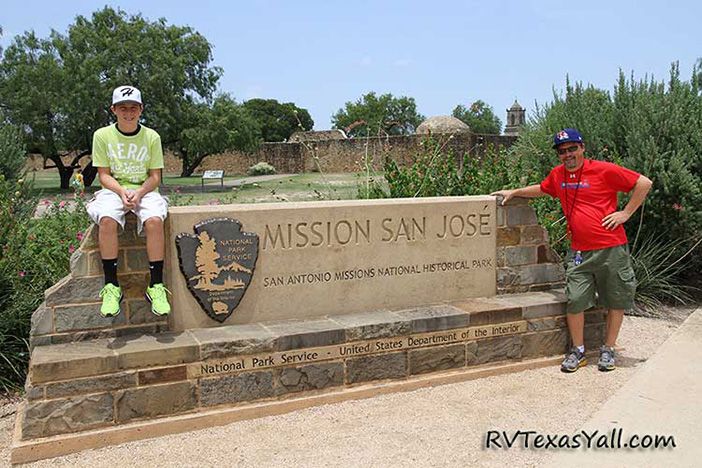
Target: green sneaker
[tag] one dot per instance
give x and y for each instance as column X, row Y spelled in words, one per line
column 156, row 295
column 111, row 297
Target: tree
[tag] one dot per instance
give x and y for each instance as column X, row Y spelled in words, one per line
column 212, row 129
column 278, row 121
column 58, row 88
column 479, row 117
column 373, row 115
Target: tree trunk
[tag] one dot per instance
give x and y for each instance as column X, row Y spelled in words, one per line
column 89, row 174
column 190, row 166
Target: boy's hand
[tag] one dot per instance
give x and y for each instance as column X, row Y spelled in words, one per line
column 128, row 199
column 136, row 197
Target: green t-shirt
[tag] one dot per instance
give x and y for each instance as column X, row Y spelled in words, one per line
column 129, row 157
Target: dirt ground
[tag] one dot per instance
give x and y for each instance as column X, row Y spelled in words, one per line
column 440, row 426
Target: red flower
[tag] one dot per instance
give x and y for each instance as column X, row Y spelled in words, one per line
column 79, row 236
column 71, row 249
column 678, row 207
column 22, row 274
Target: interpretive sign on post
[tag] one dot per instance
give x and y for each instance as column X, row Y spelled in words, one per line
column 212, row 175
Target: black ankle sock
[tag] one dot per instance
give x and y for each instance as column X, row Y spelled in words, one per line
column 109, row 266
column 156, row 269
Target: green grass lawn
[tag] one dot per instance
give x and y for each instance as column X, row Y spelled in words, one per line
column 185, row 190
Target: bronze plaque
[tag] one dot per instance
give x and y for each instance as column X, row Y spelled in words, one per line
column 218, row 263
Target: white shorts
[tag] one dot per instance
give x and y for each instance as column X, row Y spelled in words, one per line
column 108, row 203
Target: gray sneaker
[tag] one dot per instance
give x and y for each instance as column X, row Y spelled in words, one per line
column 606, row 362
column 573, row 360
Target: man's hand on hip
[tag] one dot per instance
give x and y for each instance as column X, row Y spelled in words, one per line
column 612, row 220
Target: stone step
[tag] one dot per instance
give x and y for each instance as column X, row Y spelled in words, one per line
column 80, row 386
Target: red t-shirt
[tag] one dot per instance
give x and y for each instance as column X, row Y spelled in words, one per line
column 588, row 195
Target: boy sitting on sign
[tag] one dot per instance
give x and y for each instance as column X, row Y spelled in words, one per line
column 129, row 159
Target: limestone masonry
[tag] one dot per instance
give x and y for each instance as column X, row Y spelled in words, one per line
column 309, row 299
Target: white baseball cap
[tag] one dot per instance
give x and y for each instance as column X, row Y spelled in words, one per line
column 126, row 94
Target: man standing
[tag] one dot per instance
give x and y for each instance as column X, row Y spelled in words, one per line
column 129, row 159
column 599, row 261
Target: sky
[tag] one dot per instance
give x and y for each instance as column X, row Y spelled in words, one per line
column 322, row 54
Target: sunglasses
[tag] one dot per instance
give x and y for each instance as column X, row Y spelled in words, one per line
column 569, row 149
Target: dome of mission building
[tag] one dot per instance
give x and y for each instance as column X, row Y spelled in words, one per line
column 442, row 124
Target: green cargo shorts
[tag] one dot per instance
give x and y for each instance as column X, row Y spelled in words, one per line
column 607, row 272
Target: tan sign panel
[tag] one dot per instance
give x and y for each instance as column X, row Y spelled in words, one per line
column 332, row 258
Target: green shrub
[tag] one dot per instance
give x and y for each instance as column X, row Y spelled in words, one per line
column 261, row 168
column 435, row 173
column 12, row 152
column 35, row 255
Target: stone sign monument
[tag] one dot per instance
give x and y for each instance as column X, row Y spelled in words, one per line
column 282, row 306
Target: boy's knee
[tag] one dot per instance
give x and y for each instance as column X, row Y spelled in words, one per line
column 108, row 223
column 154, row 223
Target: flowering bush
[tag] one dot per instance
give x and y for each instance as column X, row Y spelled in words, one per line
column 35, row 255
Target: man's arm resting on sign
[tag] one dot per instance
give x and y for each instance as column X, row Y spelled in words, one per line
column 638, row 195
column 532, row 191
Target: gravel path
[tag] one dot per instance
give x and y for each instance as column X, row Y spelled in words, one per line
column 440, row 426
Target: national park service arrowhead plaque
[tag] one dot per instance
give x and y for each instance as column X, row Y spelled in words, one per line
column 218, row 263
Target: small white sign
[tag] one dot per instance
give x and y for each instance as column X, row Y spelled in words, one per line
column 213, row 175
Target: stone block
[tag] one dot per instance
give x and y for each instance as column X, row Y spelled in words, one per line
column 500, row 257
column 90, row 238
column 42, row 340
column 32, row 392
column 163, row 375
column 295, row 334
column 546, row 343
column 515, row 256
column 501, row 214
column 522, row 215
column 140, row 312
column 594, row 336
column 80, row 262
column 72, row 360
column 471, row 353
column 85, row 317
column 136, row 260
column 595, row 316
column 384, row 366
column 372, row 325
column 83, row 335
column 435, row 318
column 70, row 290
column 547, row 323
column 486, row 311
column 435, row 359
column 518, row 201
column 91, row 385
column 46, row 418
column 133, row 284
column 311, row 377
column 508, row 236
column 42, row 320
column 545, row 254
column 533, row 235
column 157, row 400
column 162, row 349
column 499, row 349
column 234, row 340
column 247, row 386
column 530, row 274
column 539, row 304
